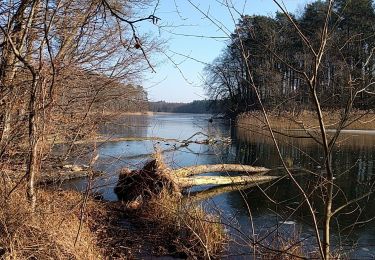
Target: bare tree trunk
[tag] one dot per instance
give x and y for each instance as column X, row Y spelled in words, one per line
column 328, row 208
column 34, row 158
column 8, row 71
column 5, row 134
column 14, row 40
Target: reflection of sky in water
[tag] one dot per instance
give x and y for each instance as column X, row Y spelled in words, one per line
column 354, row 152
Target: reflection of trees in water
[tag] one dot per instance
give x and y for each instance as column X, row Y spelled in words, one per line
column 127, row 126
column 354, row 155
column 354, row 168
column 260, row 151
column 353, row 163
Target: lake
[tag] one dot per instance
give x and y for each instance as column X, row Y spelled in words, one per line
column 265, row 212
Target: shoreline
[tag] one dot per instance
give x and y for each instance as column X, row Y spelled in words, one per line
column 343, row 131
column 54, row 174
column 306, row 120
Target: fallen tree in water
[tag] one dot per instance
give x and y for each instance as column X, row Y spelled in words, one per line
column 156, row 176
column 186, row 142
column 186, row 230
column 52, row 174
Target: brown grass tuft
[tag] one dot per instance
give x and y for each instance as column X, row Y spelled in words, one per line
column 181, row 228
column 48, row 233
column 164, row 225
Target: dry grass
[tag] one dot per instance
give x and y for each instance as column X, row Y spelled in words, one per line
column 361, row 120
column 291, row 246
column 48, row 233
column 175, row 226
column 164, row 225
column 180, row 228
column 286, row 247
column 63, row 227
column 251, row 127
column 300, row 139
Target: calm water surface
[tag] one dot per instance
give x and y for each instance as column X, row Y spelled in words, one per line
column 264, row 211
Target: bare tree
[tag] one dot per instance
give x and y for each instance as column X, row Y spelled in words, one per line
column 53, row 51
column 317, row 47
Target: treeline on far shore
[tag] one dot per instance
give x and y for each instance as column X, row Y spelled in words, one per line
column 196, row 107
column 269, row 60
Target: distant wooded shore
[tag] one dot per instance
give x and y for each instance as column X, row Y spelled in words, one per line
column 196, row 107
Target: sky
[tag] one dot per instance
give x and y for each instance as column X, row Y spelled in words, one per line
column 192, row 41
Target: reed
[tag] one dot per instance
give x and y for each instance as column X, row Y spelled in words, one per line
column 359, row 120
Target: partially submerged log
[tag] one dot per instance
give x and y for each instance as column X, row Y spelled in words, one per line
column 67, row 173
column 222, row 180
column 199, row 169
column 53, row 174
column 155, row 177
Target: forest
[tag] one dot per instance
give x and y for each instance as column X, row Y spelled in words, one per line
column 65, row 65
column 272, row 49
column 197, row 106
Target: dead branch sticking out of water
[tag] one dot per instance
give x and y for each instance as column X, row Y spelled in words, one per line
column 105, row 139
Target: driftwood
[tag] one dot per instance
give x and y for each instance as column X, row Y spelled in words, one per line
column 222, row 180
column 53, row 174
column 103, row 139
column 199, row 169
column 68, row 172
column 155, row 177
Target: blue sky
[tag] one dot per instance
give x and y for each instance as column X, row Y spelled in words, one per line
column 189, row 34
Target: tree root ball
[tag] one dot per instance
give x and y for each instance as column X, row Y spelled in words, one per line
column 147, row 182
